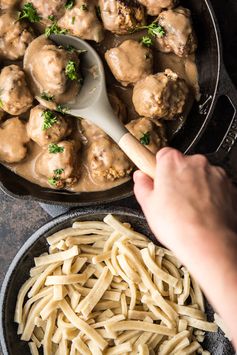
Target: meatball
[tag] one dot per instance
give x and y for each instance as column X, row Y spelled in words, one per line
column 52, row 70
column 14, row 92
column 149, row 134
column 122, row 16
column 106, row 161
column 118, row 106
column 154, row 7
column 7, row 4
column 81, row 20
column 13, row 138
column 179, row 35
column 46, row 126
column 130, row 62
column 162, row 95
column 15, row 36
column 47, row 9
column 58, row 164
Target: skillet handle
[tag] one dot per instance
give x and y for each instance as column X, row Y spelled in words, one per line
column 228, row 89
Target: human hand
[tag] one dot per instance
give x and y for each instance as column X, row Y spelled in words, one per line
column 187, row 195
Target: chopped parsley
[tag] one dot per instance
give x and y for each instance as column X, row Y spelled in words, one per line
column 54, row 29
column 56, row 178
column 69, row 4
column 1, row 103
column 146, row 138
column 71, row 70
column 47, row 97
column 53, row 181
column 62, row 109
column 146, row 41
column 29, row 12
column 52, row 18
column 58, row 172
column 84, row 7
column 55, row 148
column 50, row 119
column 155, row 30
column 98, row 12
column 73, row 20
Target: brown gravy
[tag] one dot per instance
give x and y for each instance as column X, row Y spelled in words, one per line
column 186, row 68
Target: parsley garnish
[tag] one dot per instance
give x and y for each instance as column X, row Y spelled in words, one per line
column 62, row 109
column 54, row 29
column 71, row 70
column 154, row 29
column 29, row 12
column 47, row 97
column 55, row 148
column 53, row 181
column 52, row 18
column 146, row 41
column 69, row 4
column 1, row 103
column 73, row 20
column 146, row 138
column 58, row 172
column 98, row 12
column 50, row 119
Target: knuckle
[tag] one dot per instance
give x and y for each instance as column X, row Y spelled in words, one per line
column 167, row 153
column 200, row 160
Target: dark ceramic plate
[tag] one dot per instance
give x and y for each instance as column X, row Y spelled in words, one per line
column 18, row 272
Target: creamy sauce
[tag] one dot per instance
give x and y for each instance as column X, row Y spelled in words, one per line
column 186, row 68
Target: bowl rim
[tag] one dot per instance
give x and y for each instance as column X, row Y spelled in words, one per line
column 39, row 233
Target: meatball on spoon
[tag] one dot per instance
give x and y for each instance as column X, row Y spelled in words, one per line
column 92, row 104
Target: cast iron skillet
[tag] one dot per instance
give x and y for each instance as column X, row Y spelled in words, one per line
column 18, row 272
column 214, row 83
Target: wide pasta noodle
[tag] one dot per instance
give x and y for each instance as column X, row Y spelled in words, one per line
column 103, row 288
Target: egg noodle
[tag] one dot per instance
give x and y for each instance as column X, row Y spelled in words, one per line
column 105, row 289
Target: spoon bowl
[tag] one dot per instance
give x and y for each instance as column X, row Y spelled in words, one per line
column 92, row 104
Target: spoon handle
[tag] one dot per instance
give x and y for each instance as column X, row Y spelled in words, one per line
column 139, row 154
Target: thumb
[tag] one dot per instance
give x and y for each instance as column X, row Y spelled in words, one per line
column 143, row 187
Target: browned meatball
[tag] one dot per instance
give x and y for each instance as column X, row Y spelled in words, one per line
column 149, row 134
column 13, row 138
column 81, row 20
column 46, row 126
column 162, row 95
column 46, row 9
column 15, row 36
column 47, row 66
column 7, row 4
column 14, row 93
column 106, row 161
column 58, row 164
column 130, row 62
column 154, row 7
column 179, row 35
column 122, row 16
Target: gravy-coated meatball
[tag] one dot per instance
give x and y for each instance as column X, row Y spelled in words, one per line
column 154, row 7
column 52, row 70
column 162, row 95
column 46, row 9
column 179, row 34
column 7, row 4
column 58, row 167
column 130, row 62
column 106, row 161
column 119, row 107
column 81, row 20
column 150, row 135
column 121, row 16
column 15, row 36
column 46, row 126
column 13, row 138
column 14, row 92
